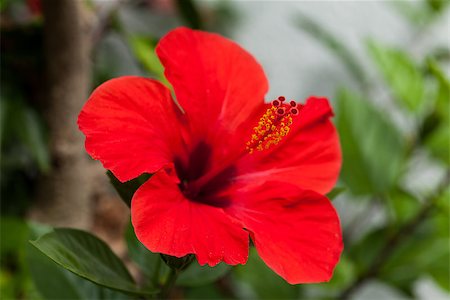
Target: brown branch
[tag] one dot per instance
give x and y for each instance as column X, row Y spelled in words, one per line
column 397, row 238
column 63, row 194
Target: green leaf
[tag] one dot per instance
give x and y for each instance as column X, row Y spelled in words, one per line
column 31, row 131
column 127, row 189
column 342, row 53
column 144, row 50
column 443, row 90
column 420, row 13
column 335, row 192
column 196, row 275
column 148, row 262
column 22, row 122
column 14, row 280
column 438, row 142
column 443, row 203
column 88, row 257
column 364, row 251
column 401, row 75
column 207, row 292
column 422, row 251
column 55, row 282
column 113, row 58
column 52, row 281
column 402, row 205
column 373, row 150
column 190, row 13
column 13, row 233
column 256, row 280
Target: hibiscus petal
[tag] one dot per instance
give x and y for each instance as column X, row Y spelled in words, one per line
column 130, row 125
column 218, row 84
column 309, row 156
column 166, row 222
column 296, row 232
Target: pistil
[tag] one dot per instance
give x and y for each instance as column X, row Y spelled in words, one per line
column 274, row 125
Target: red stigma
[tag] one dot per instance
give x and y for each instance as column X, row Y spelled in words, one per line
column 293, row 103
column 276, row 103
column 294, row 111
column 281, row 98
column 281, row 111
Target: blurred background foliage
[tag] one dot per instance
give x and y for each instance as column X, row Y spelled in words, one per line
column 393, row 193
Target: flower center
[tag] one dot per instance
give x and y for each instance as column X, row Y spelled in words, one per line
column 273, row 125
column 206, row 186
column 196, row 166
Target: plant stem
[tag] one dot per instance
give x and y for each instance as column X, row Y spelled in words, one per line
column 168, row 285
column 396, row 239
column 155, row 276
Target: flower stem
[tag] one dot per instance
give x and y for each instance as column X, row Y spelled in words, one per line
column 168, row 285
column 155, row 276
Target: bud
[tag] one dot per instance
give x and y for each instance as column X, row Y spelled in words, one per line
column 178, row 263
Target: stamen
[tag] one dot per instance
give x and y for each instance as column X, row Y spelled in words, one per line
column 273, row 125
column 294, row 111
column 281, row 111
column 276, row 103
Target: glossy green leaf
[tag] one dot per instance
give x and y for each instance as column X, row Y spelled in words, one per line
column 54, row 282
column 373, row 150
column 401, row 75
column 127, row 189
column 88, row 257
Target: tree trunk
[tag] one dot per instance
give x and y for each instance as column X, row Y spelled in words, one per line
column 64, row 194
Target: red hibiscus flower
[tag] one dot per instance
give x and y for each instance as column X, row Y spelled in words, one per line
column 226, row 166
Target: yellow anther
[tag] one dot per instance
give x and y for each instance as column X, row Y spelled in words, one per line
column 271, row 128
